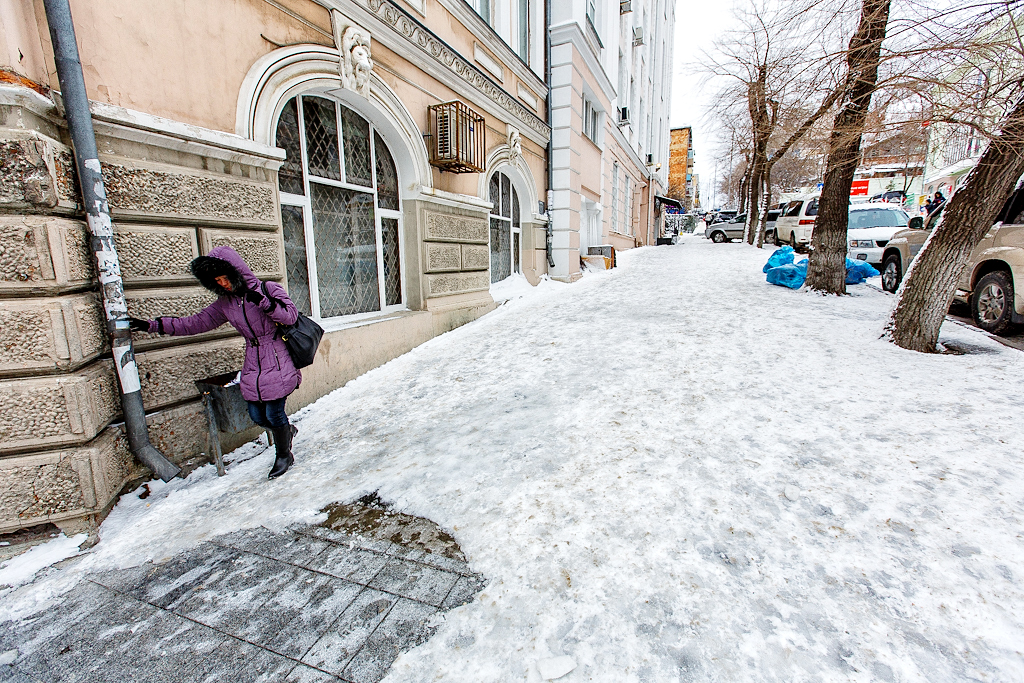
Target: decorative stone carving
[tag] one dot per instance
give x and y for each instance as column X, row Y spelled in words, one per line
column 443, row 257
column 437, row 50
column 353, row 42
column 515, row 145
column 39, row 253
column 457, row 283
column 450, row 227
column 475, row 257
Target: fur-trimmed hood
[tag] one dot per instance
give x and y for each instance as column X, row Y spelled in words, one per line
column 224, row 260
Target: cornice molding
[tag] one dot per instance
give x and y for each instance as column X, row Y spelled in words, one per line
column 416, row 42
column 572, row 33
column 485, row 33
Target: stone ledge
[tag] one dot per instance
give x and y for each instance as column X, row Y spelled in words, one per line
column 155, row 254
column 168, row 375
column 263, row 252
column 44, row 254
column 48, row 412
column 59, row 333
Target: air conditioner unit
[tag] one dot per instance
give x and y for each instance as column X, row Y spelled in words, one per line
column 457, row 138
column 623, row 116
column 625, row 6
column 638, row 36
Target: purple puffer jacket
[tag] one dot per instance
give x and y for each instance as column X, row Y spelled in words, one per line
column 268, row 372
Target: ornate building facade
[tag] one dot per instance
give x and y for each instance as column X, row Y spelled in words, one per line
column 299, row 132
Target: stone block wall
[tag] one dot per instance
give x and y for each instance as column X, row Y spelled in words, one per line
column 63, row 453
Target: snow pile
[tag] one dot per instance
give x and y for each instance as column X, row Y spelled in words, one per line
column 23, row 568
column 650, row 502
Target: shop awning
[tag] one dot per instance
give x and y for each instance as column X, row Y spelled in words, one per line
column 668, row 200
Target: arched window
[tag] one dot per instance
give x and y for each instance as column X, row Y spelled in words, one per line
column 340, row 210
column 506, row 229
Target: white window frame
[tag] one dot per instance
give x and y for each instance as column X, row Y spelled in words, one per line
column 305, row 203
column 591, row 121
column 616, row 207
column 515, row 230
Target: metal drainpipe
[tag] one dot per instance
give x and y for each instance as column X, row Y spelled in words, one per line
column 97, row 215
column 549, row 233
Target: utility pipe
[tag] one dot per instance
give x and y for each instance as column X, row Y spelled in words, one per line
column 549, row 233
column 97, row 215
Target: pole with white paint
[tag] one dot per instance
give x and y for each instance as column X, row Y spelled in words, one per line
column 97, row 215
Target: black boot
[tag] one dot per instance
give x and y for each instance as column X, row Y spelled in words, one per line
column 283, row 443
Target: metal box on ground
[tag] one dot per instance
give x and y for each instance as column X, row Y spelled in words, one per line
column 226, row 411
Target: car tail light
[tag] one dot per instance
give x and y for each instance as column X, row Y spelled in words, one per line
column 806, row 221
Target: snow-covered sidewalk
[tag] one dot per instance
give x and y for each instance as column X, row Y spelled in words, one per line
column 669, row 472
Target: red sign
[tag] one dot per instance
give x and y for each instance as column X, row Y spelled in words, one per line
column 859, row 187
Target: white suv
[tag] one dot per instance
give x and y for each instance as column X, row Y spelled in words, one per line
column 796, row 223
column 871, row 227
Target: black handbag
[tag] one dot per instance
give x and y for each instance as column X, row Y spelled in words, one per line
column 301, row 338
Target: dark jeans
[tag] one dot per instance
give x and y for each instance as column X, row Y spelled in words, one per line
column 268, row 414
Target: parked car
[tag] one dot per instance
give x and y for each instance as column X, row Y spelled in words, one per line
column 725, row 215
column 795, row 225
column 871, row 227
column 733, row 228
column 993, row 282
column 725, row 231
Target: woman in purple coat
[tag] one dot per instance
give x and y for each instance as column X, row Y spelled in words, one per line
column 268, row 373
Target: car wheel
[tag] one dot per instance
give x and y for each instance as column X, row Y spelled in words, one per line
column 992, row 302
column 792, row 240
column 892, row 273
column 718, row 237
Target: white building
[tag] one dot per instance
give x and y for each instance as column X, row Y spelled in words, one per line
column 610, row 84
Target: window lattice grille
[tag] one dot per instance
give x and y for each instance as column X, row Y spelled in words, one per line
column 356, row 134
column 289, row 177
column 321, row 137
column 392, row 262
column 346, row 250
column 295, row 257
column 501, row 262
column 387, row 176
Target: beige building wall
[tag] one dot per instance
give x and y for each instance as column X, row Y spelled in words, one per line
column 185, row 100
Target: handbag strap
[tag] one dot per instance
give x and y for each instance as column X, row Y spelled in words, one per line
column 273, row 301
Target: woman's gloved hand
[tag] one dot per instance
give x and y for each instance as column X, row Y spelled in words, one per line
column 138, row 325
column 254, row 297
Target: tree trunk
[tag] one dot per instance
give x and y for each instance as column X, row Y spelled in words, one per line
column 766, row 198
column 743, row 188
column 757, row 105
column 827, row 269
column 928, row 288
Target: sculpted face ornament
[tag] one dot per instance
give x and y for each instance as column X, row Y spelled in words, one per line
column 353, row 43
column 515, row 145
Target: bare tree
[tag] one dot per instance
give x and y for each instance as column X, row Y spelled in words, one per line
column 827, row 269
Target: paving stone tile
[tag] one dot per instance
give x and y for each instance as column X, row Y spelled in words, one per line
column 289, row 546
column 120, row 639
column 236, row 660
column 355, row 565
column 463, row 592
column 446, row 563
column 9, row 674
column 405, row 627
column 341, row 538
column 325, row 605
column 306, row 674
column 170, row 583
column 341, row 642
column 252, row 597
column 415, row 581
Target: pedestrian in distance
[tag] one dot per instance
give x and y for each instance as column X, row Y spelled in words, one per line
column 254, row 308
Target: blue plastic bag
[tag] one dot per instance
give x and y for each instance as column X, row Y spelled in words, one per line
column 790, row 275
column 780, row 257
column 858, row 271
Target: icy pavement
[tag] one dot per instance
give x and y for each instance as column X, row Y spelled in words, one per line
column 669, row 472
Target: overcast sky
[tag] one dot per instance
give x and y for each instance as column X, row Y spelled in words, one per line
column 697, row 26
